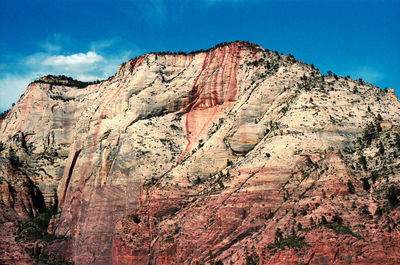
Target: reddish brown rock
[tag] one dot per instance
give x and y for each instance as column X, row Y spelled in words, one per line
column 11, row 252
column 242, row 229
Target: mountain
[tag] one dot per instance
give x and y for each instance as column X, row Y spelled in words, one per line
column 231, row 155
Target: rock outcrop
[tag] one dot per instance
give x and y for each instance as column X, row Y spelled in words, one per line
column 234, row 155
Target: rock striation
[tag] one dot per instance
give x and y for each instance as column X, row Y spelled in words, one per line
column 233, row 155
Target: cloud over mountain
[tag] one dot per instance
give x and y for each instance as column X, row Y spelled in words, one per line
column 73, row 60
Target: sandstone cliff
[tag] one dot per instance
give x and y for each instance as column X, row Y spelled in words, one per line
column 234, row 155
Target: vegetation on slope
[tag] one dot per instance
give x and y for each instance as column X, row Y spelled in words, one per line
column 35, row 230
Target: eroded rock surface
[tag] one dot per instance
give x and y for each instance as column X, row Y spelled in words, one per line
column 234, row 155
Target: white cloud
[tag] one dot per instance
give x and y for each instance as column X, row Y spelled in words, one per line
column 100, row 62
column 78, row 59
column 87, row 78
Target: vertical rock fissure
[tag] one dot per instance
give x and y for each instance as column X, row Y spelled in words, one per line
column 70, row 171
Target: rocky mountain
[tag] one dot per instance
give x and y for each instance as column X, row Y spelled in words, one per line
column 231, row 155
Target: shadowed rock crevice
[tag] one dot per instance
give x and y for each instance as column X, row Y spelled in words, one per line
column 70, row 171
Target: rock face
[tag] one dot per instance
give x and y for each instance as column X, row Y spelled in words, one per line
column 19, row 199
column 234, row 155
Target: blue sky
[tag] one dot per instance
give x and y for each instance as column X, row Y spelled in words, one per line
column 89, row 39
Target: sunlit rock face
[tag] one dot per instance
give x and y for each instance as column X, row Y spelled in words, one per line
column 231, row 155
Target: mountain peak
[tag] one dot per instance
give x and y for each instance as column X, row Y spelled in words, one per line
column 243, row 44
column 234, row 154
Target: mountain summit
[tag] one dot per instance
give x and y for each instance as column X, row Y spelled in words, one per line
column 231, row 155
